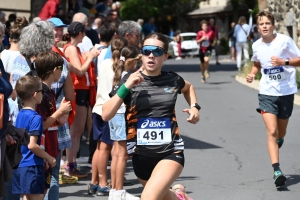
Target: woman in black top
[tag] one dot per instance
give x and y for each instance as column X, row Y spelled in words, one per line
column 152, row 130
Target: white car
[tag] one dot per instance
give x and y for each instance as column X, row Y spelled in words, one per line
column 189, row 46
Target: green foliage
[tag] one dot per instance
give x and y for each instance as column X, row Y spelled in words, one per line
column 165, row 12
column 298, row 78
column 223, row 46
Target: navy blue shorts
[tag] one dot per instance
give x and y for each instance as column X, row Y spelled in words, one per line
column 101, row 129
column 29, row 180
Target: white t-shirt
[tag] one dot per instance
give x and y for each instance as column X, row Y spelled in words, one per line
column 105, row 80
column 85, row 45
column 101, row 56
column 279, row 80
column 8, row 57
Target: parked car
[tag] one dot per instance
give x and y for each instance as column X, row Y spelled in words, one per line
column 189, row 46
column 171, row 49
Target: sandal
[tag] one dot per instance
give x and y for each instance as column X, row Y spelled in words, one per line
column 64, row 179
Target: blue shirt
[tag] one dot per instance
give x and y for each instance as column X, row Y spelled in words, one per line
column 149, row 28
column 32, row 122
column 108, row 54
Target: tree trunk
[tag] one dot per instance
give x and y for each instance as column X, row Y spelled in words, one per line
column 36, row 7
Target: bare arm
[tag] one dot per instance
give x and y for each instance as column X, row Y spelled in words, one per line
column 68, row 88
column 191, row 98
column 275, row 61
column 110, row 108
column 65, row 107
column 76, row 66
column 255, row 69
column 38, row 151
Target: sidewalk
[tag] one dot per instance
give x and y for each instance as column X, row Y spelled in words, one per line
column 255, row 85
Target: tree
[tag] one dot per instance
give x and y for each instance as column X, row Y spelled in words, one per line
column 166, row 12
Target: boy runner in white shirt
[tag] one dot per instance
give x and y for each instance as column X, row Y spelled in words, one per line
column 276, row 56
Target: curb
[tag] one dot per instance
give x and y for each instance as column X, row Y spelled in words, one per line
column 255, row 85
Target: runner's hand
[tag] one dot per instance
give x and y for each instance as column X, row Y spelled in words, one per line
column 134, row 79
column 194, row 115
column 46, row 165
column 250, row 78
column 275, row 61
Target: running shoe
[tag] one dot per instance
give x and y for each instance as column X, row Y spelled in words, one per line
column 280, row 142
column 76, row 172
column 279, row 178
column 123, row 195
column 103, row 191
column 203, row 79
column 92, row 189
column 180, row 192
column 111, row 194
column 207, row 74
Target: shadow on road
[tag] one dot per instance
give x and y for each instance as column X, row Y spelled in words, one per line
column 292, row 180
column 183, row 67
column 78, row 193
column 192, row 143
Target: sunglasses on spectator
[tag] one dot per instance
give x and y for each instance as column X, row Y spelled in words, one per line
column 155, row 50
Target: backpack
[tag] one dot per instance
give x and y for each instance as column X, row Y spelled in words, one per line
column 32, row 72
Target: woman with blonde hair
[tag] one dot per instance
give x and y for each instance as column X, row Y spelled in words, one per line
column 241, row 31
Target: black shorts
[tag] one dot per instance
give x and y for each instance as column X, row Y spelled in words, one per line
column 82, row 97
column 202, row 54
column 281, row 106
column 143, row 165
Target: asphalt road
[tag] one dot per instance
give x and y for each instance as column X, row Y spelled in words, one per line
column 226, row 152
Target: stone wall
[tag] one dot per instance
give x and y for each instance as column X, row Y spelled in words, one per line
column 287, row 16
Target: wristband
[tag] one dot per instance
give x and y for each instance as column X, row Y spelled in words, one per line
column 123, row 91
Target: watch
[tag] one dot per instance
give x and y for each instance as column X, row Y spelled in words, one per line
column 287, row 62
column 196, row 106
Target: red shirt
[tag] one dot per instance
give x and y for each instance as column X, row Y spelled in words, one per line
column 49, row 9
column 215, row 31
column 205, row 44
column 45, row 109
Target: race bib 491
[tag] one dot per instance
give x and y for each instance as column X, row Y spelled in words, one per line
column 153, row 131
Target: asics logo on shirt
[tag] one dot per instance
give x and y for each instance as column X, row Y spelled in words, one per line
column 273, row 71
column 170, row 90
column 153, row 124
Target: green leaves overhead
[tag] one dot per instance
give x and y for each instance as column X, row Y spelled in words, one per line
column 160, row 9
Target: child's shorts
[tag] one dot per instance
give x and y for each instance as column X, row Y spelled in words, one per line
column 29, row 180
column 117, row 126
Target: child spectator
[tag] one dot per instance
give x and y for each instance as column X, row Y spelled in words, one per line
column 49, row 69
column 28, row 179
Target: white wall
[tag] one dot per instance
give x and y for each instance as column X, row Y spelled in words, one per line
column 16, row 4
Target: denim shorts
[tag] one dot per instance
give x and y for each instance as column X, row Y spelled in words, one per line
column 281, row 106
column 117, row 126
